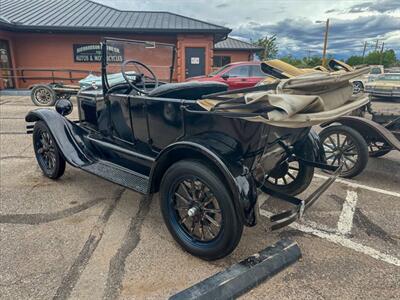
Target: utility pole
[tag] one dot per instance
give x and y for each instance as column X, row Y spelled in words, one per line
column 383, row 45
column 325, row 43
column 363, row 55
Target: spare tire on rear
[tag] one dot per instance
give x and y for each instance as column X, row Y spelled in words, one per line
column 43, row 95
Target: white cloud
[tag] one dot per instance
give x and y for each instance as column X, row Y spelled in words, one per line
column 352, row 21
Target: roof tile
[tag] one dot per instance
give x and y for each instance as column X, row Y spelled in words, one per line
column 85, row 14
column 234, row 44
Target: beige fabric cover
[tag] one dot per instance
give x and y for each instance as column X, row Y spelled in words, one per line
column 301, row 101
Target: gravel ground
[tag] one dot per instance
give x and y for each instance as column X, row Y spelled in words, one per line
column 82, row 237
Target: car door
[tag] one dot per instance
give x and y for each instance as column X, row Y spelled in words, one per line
column 256, row 75
column 237, row 77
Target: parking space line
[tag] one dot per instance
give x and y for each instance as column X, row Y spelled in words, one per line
column 341, row 240
column 346, row 216
column 361, row 186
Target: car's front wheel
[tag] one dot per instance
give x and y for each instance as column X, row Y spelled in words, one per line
column 47, row 153
column 198, row 210
column 358, row 87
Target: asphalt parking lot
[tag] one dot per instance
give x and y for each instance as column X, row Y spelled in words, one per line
column 82, row 237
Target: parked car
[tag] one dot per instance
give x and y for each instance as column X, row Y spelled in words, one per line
column 206, row 163
column 386, row 85
column 374, row 72
column 351, row 139
column 48, row 94
column 236, row 75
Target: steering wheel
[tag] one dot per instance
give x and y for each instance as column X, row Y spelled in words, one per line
column 142, row 77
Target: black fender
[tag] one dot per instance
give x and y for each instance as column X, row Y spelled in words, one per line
column 69, row 136
column 219, row 155
column 370, row 130
column 311, row 143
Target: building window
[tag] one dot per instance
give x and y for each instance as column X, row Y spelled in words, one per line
column 220, row 61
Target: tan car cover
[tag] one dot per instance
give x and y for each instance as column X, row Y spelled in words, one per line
column 301, row 101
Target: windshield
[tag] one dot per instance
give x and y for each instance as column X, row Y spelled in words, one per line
column 390, row 77
column 218, row 70
column 375, row 70
column 158, row 57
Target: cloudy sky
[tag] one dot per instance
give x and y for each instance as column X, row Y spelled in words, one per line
column 295, row 22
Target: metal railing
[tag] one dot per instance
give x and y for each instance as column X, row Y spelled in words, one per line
column 23, row 74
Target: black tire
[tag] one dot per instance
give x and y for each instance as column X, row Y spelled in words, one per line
column 43, row 95
column 47, row 152
column 291, row 177
column 341, row 142
column 190, row 179
column 378, row 149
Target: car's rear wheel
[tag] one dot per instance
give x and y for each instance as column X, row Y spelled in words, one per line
column 47, row 153
column 343, row 144
column 378, row 149
column 292, row 176
column 43, row 95
column 198, row 210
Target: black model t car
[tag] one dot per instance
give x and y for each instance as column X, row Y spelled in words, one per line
column 151, row 136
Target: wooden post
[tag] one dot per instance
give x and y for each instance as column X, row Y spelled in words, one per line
column 363, row 55
column 325, row 43
column 383, row 45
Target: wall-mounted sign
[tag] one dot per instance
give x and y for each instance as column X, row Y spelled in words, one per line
column 195, row 60
column 92, row 53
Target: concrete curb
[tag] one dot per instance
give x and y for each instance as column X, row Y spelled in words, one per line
column 15, row 93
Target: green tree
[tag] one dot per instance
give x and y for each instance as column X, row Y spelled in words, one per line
column 291, row 60
column 355, row 60
column 269, row 45
column 313, row 61
column 387, row 58
column 305, row 62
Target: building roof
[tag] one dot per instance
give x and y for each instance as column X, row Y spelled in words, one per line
column 234, row 44
column 86, row 15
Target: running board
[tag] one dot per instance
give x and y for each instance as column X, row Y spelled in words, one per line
column 119, row 175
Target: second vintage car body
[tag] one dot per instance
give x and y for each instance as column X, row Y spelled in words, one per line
column 386, row 85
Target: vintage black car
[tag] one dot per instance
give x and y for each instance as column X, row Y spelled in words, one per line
column 153, row 137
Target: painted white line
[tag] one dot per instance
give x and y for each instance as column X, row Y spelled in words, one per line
column 346, row 216
column 343, row 241
column 361, row 186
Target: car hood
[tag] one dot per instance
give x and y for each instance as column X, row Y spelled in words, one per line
column 96, row 80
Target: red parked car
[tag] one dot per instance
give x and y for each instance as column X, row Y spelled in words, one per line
column 237, row 75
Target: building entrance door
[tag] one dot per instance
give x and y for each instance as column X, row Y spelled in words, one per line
column 6, row 78
column 194, row 62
